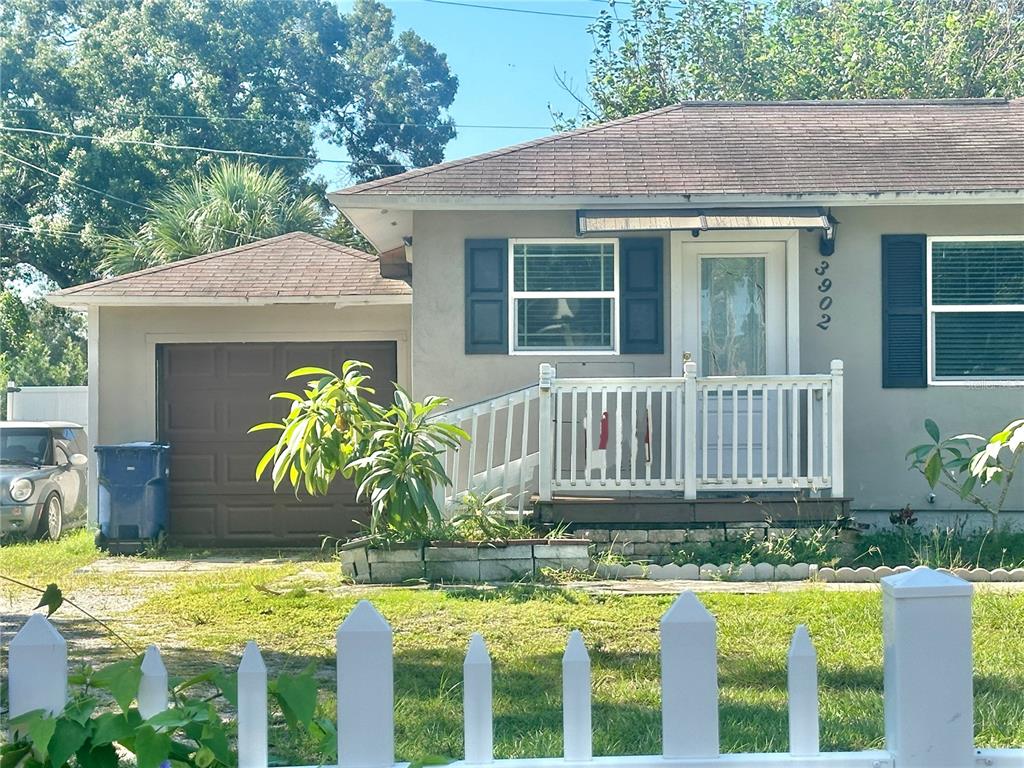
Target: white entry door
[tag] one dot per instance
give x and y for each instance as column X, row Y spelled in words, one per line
column 734, row 324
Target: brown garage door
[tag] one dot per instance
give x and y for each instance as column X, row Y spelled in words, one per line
column 209, row 395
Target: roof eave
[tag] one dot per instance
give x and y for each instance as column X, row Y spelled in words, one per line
column 85, row 300
column 396, row 201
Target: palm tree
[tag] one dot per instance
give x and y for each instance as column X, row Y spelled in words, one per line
column 236, row 203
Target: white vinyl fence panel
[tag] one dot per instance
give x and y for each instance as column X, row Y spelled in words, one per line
column 49, row 404
column 928, row 697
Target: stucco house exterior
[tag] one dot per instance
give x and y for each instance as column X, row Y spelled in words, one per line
column 825, row 274
column 189, row 352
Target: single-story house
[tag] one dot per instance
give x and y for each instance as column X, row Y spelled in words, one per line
column 189, row 352
column 827, row 275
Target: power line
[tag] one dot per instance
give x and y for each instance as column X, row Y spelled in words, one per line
column 225, row 118
column 188, row 147
column 514, row 10
column 40, row 230
column 111, row 197
column 75, row 183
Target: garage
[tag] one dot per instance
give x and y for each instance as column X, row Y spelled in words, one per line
column 189, row 352
column 209, row 395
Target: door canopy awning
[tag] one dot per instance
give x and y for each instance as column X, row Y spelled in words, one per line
column 590, row 222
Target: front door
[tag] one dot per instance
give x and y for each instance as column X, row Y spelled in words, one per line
column 734, row 324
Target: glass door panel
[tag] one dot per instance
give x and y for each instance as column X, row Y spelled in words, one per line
column 732, row 316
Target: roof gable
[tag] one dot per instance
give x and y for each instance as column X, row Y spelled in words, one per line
column 294, row 267
column 747, row 148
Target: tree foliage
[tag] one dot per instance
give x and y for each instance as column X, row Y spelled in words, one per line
column 665, row 51
column 40, row 345
column 231, row 74
column 234, row 204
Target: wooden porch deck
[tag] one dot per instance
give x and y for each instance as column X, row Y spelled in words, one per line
column 675, row 511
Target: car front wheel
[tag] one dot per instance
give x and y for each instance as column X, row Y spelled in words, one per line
column 52, row 524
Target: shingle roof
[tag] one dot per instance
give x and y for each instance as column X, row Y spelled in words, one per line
column 289, row 267
column 723, row 148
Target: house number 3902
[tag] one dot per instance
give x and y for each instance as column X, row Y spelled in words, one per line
column 825, row 302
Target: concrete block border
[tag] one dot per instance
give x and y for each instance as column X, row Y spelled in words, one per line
column 797, row 572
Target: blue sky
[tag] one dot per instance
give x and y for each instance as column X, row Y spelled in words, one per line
column 506, row 64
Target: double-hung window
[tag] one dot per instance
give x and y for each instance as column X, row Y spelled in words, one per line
column 564, row 295
column 976, row 308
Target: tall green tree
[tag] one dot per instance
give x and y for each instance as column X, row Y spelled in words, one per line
column 267, row 77
column 662, row 52
column 234, row 204
column 40, row 345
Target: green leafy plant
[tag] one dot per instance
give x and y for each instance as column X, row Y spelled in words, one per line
column 90, row 731
column 962, row 462
column 392, row 453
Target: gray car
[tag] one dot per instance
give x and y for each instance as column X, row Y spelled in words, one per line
column 43, row 478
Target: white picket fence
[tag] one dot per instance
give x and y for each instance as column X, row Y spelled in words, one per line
column 928, row 678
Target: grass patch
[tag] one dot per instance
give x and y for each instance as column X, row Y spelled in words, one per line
column 41, row 562
column 208, row 619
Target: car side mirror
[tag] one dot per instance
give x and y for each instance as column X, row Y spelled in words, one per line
column 78, row 460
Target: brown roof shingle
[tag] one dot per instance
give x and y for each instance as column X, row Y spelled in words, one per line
column 289, row 267
column 724, row 148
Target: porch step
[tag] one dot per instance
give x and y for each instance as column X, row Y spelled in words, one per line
column 668, row 511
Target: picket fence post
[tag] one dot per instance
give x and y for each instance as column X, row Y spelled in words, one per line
column 252, row 709
column 802, row 672
column 928, row 669
column 546, row 432
column 366, row 690
column 577, row 732
column 477, row 702
column 37, row 668
column 689, row 680
column 153, row 685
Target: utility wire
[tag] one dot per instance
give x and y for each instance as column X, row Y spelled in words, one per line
column 514, row 10
column 187, row 147
column 108, row 195
column 225, row 118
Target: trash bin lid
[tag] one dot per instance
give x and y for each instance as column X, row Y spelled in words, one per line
column 141, row 445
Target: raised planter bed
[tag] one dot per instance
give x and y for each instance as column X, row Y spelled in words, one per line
column 450, row 561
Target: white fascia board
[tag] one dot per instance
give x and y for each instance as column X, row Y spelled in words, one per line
column 81, row 302
column 359, row 205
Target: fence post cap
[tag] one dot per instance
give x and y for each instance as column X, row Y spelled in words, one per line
column 925, row 582
column 690, row 368
column 364, row 618
column 837, row 367
column 37, row 631
column 477, row 651
column 152, row 664
column 687, row 609
column 252, row 660
column 575, row 648
column 801, row 646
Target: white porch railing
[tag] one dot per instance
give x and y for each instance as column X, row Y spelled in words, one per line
column 502, row 451
column 928, row 691
column 684, row 434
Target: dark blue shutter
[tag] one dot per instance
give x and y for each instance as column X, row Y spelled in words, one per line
column 641, row 296
column 904, row 353
column 486, row 297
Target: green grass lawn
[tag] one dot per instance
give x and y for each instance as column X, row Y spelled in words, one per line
column 40, row 562
column 293, row 610
column 526, row 627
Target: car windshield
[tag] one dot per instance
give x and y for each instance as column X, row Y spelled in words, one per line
column 25, row 445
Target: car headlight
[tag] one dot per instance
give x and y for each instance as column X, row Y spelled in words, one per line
column 21, row 489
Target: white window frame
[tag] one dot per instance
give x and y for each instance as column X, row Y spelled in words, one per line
column 513, row 295
column 933, row 309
